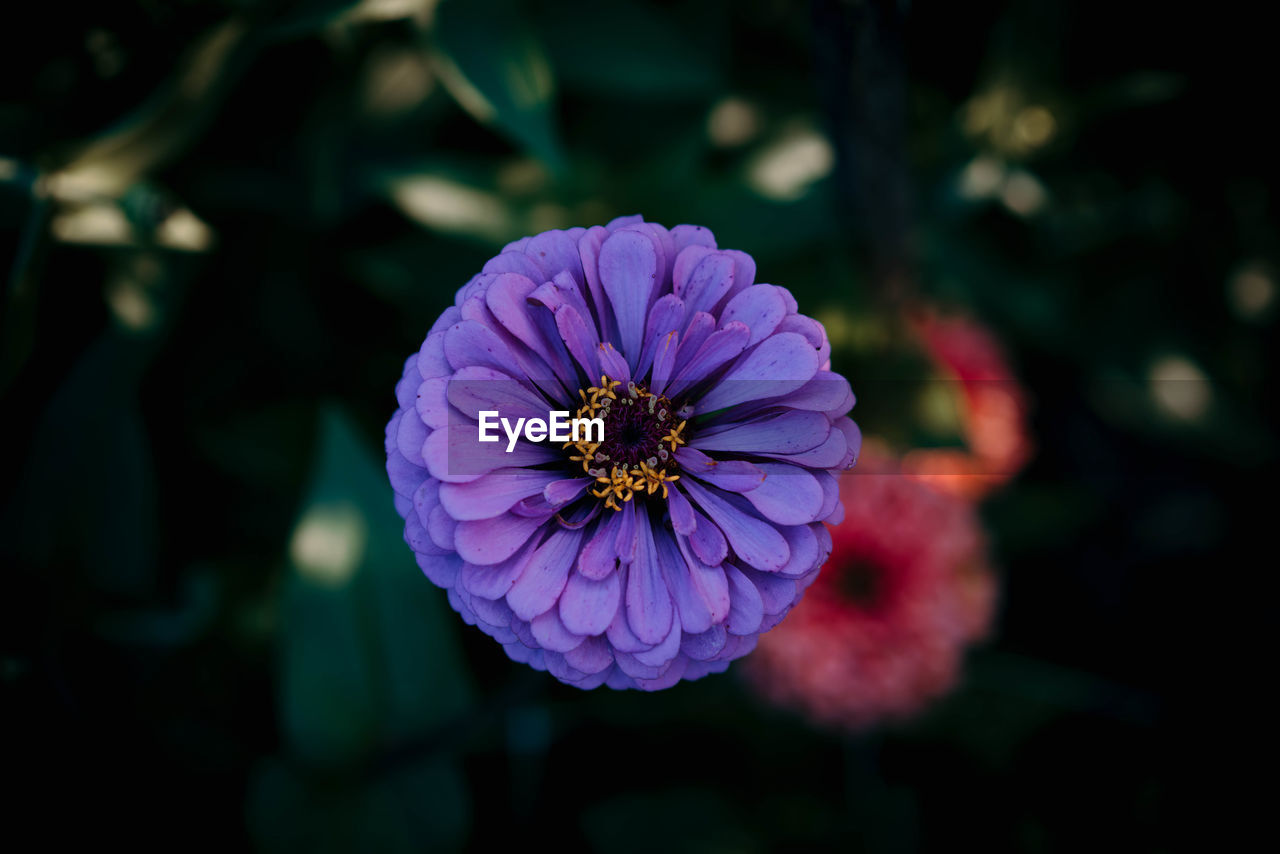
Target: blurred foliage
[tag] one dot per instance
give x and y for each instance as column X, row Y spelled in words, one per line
column 225, row 224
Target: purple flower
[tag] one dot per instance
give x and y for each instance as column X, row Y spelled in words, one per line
column 662, row 549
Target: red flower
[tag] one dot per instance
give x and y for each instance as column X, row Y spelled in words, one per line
column 993, row 407
column 884, row 627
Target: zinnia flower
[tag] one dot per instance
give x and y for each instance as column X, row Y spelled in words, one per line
column 993, row 408
column 884, row 627
column 662, row 549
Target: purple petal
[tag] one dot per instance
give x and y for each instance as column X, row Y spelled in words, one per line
column 593, row 655
column 450, row 316
column 691, row 235
column 599, row 557
column 636, row 669
column 830, row 454
column 587, row 607
column 551, row 633
column 513, row 262
column 415, row 534
column 687, row 260
column 619, row 632
column 719, row 348
column 826, row 393
column 628, row 542
column 788, row 496
column 432, row 404
column 469, row 342
column 493, row 617
column 707, row 541
column 494, row 582
column 649, row 610
column 559, row 668
column 853, row 440
column 744, row 273
column 682, row 518
column 777, row 365
column 579, row 338
column 619, row 221
column 543, row 579
column 694, row 615
column 787, row 299
column 663, row 248
column 704, row 646
column 830, row 493
column 708, row 580
column 670, row 676
column 612, row 364
column 777, row 592
column 664, row 361
column 441, row 570
column 701, row 325
column 628, row 273
column 787, row 433
column 426, row 498
column 474, row 389
column 507, row 298
column 489, row 541
column 441, row 527
column 554, row 252
column 707, row 284
column 455, row 455
column 806, row 550
column 589, row 252
column 753, row 539
column 746, row 607
column 667, row 315
column 411, row 437
column 811, row 329
column 405, row 476
column 494, row 493
column 560, row 492
column 431, row 358
column 403, row 505
column 560, row 292
column 407, row 386
column 664, row 651
column 760, row 307
column 730, row 475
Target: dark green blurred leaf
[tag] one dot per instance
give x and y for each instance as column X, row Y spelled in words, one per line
column 305, row 17
column 87, row 492
column 674, row 820
column 165, row 124
column 369, row 654
column 629, row 49
column 420, row 808
column 370, row 666
column 497, row 70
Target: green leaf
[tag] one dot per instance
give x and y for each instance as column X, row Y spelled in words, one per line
column 692, row 820
column 417, row 808
column 495, row 67
column 371, row 672
column 628, row 49
column 87, row 491
column 369, row 655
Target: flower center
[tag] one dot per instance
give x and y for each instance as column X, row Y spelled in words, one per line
column 641, row 434
column 862, row 583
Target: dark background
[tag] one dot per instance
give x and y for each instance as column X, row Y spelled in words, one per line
column 223, row 226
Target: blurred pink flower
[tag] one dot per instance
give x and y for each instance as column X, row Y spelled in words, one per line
column 993, row 409
column 884, row 627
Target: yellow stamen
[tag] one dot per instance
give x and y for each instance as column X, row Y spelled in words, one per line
column 673, row 436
